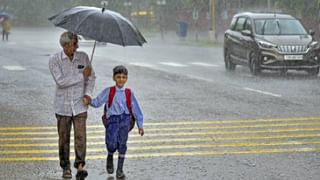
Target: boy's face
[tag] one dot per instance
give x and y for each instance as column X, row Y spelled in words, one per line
column 120, row 79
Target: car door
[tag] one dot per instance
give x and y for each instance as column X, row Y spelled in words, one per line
column 246, row 41
column 229, row 39
column 237, row 40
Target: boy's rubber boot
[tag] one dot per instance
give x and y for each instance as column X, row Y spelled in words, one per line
column 120, row 174
column 110, row 167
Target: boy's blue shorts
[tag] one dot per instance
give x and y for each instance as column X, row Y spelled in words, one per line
column 116, row 134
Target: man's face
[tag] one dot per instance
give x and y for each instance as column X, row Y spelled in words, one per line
column 71, row 47
column 120, row 79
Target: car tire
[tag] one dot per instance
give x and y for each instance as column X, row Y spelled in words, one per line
column 230, row 66
column 283, row 72
column 313, row 72
column 254, row 64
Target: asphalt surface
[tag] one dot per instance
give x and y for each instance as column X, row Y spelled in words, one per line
column 201, row 122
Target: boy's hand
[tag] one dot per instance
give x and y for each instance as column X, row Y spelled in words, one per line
column 86, row 100
column 141, row 131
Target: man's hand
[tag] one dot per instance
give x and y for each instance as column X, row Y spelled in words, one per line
column 87, row 72
column 86, row 100
column 141, row 131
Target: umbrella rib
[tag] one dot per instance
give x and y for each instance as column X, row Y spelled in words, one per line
column 122, row 40
column 82, row 21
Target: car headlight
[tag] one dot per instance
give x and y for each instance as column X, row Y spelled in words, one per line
column 265, row 44
column 314, row 44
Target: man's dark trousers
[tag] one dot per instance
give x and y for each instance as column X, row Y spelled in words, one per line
column 64, row 124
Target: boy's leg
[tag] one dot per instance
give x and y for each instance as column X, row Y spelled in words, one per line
column 64, row 128
column 111, row 136
column 123, row 138
column 123, row 134
column 80, row 139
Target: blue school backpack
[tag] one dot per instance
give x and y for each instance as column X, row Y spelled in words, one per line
column 112, row 92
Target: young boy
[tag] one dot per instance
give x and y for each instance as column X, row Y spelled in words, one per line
column 118, row 118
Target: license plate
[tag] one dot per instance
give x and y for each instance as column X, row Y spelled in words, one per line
column 293, row 57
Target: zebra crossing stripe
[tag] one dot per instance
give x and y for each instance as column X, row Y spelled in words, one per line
column 166, row 154
column 171, row 123
column 157, row 147
column 163, row 129
column 182, row 138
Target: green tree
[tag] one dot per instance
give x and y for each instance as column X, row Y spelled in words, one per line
column 300, row 8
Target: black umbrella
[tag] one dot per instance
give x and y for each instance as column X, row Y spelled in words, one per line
column 99, row 24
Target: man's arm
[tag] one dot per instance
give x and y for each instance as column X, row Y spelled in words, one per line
column 90, row 83
column 89, row 75
column 62, row 81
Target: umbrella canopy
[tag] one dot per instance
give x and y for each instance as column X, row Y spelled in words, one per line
column 99, row 24
column 4, row 15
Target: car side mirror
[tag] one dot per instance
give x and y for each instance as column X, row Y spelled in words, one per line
column 246, row 33
column 311, row 32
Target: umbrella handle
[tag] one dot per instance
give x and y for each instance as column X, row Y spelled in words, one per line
column 94, row 47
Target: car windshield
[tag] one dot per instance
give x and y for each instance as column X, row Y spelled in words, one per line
column 279, row 27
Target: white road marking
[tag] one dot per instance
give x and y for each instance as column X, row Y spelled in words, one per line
column 142, row 64
column 12, row 43
column 204, row 64
column 14, row 68
column 38, row 42
column 173, row 64
column 262, row 92
column 200, row 78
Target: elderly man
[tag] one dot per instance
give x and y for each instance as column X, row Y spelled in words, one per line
column 75, row 81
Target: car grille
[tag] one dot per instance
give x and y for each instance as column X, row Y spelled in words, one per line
column 292, row 48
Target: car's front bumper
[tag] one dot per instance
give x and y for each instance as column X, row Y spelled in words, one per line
column 271, row 59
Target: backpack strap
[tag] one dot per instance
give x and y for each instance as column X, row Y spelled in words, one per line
column 112, row 92
column 128, row 98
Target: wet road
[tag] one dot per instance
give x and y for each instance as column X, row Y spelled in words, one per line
column 201, row 122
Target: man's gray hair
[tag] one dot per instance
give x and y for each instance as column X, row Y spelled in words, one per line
column 67, row 37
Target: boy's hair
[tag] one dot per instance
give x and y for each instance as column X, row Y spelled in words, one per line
column 120, row 70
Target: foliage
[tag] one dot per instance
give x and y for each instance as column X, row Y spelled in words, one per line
column 36, row 12
column 32, row 12
column 300, row 8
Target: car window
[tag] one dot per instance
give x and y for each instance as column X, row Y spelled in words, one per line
column 271, row 27
column 240, row 23
column 292, row 27
column 248, row 25
column 259, row 25
column 279, row 27
column 233, row 23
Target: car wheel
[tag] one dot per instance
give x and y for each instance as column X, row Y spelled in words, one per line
column 230, row 66
column 283, row 72
column 313, row 72
column 254, row 64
